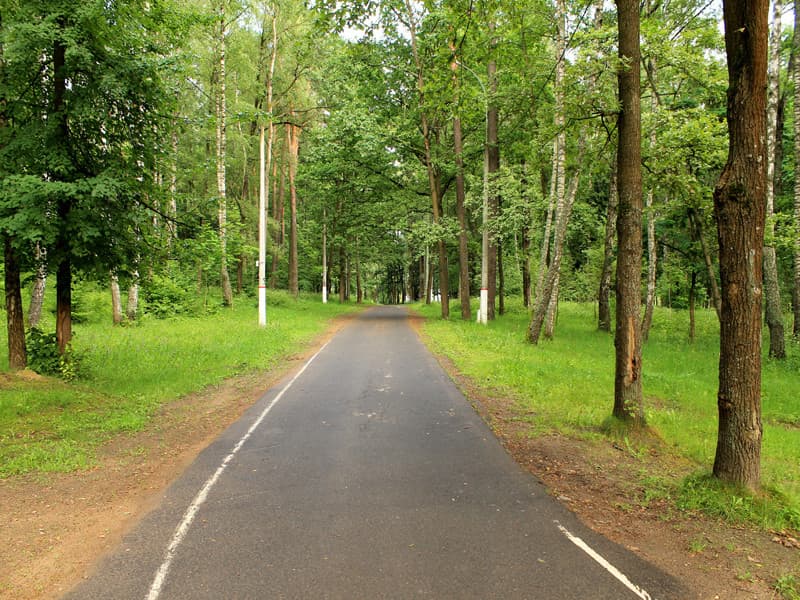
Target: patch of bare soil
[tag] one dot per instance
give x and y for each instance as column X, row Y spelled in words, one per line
column 598, row 480
column 54, row 528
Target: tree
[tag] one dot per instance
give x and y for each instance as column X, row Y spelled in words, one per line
column 772, row 293
column 739, row 207
column 628, row 333
column 796, row 79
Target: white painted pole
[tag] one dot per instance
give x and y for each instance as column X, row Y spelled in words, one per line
column 324, row 256
column 483, row 310
column 262, row 235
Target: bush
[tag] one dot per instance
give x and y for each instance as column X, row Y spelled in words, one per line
column 44, row 358
column 165, row 298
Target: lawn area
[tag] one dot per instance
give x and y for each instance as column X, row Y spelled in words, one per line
column 127, row 373
column 566, row 385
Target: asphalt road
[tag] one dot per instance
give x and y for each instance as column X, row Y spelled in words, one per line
column 369, row 476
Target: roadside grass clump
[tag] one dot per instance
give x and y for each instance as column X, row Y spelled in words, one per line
column 566, row 385
column 788, row 586
column 127, row 373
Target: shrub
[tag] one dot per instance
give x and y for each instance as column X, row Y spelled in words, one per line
column 44, row 358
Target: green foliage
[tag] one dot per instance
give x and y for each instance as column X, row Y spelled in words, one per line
column 769, row 510
column 788, row 586
column 165, row 298
column 44, row 358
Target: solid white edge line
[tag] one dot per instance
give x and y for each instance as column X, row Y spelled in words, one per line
column 603, row 563
column 183, row 528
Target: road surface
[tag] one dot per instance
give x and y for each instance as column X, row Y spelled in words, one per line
column 366, row 474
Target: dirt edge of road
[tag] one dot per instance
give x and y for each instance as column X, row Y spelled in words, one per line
column 599, row 481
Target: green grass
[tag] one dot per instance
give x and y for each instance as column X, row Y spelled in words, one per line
column 128, row 372
column 566, row 385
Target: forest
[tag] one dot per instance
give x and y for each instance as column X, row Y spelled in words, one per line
column 185, row 155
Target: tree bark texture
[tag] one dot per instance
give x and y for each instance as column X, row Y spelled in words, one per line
column 628, row 334
column 293, row 142
column 739, row 206
column 772, row 293
column 463, row 251
column 132, row 309
column 222, row 134
column 652, row 246
column 493, row 158
column 116, row 300
column 64, row 208
column 15, row 320
column 796, row 110
column 39, row 286
column 603, row 294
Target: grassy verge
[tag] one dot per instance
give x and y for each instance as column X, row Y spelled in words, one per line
column 566, row 385
column 126, row 373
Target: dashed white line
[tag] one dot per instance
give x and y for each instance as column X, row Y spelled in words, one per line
column 604, row 563
column 191, row 512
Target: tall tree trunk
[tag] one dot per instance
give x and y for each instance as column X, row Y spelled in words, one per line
column 39, row 286
column 603, row 304
column 64, row 303
column 133, row 296
column 463, row 252
column 739, row 206
column 172, row 225
column 293, row 142
column 342, row 275
column 796, row 79
column 544, row 257
column 501, row 281
column 628, row 332
column 772, row 293
column 433, row 175
column 221, row 134
column 17, row 355
column 526, row 265
column 116, row 300
column 652, row 247
column 493, row 166
column 64, row 208
column 696, row 231
column 359, row 292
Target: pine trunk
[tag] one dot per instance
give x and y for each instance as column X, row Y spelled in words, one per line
column 15, row 320
column 772, row 293
column 739, row 207
column 628, row 334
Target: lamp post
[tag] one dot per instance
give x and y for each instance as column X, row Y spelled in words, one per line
column 484, row 298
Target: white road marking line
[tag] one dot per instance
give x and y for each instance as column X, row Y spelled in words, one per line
column 603, row 563
column 202, row 495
